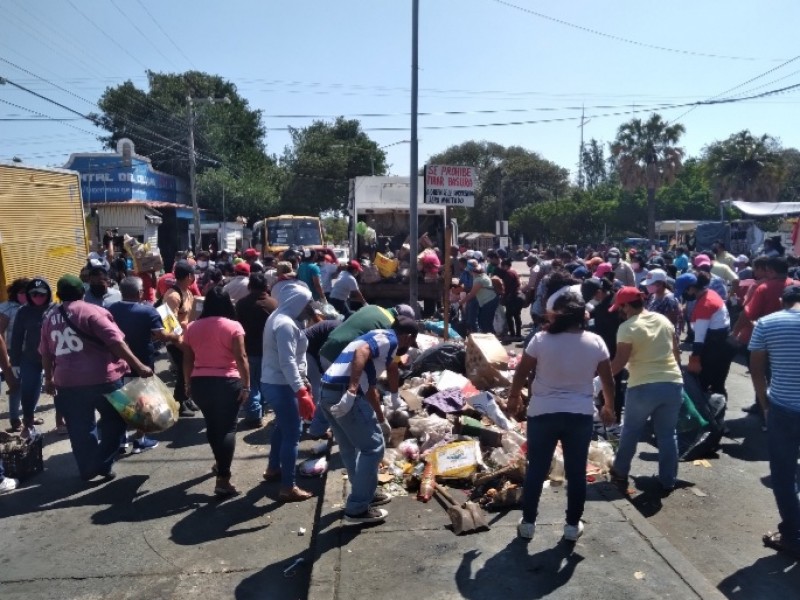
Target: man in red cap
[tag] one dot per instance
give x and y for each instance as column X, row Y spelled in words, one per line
column 646, row 343
column 237, row 287
column 251, row 257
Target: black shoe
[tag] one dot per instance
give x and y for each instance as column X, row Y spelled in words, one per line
column 191, row 405
column 186, row 411
column 371, row 515
column 753, row 409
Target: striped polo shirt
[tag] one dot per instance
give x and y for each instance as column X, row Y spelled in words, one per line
column 382, row 345
column 779, row 335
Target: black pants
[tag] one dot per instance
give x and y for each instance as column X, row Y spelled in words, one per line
column 715, row 361
column 514, row 315
column 176, row 354
column 218, row 400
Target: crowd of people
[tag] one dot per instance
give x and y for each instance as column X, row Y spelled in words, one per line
column 260, row 342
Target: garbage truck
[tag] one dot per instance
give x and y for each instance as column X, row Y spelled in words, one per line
column 42, row 229
column 379, row 233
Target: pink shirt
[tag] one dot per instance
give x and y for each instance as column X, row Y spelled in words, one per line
column 79, row 361
column 212, row 339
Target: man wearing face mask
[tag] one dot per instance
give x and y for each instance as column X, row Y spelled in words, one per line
column 24, row 349
column 622, row 270
column 100, row 292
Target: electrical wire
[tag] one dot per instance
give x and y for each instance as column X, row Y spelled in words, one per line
column 142, row 33
column 168, row 36
column 617, row 38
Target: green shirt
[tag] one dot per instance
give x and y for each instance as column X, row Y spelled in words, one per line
column 364, row 320
column 486, row 292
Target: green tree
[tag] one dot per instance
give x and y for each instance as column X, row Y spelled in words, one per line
column 647, row 156
column 594, row 164
column 156, row 120
column 253, row 194
column 689, row 196
column 746, row 167
column 335, row 229
column 322, row 160
column 790, row 191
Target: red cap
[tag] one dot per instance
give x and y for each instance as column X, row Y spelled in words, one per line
column 625, row 295
column 354, row 264
column 242, row 268
column 251, row 253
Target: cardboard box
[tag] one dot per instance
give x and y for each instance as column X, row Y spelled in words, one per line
column 487, row 361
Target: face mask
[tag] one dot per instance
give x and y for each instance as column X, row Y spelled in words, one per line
column 613, row 260
column 202, row 264
column 39, row 300
column 22, row 298
column 98, row 289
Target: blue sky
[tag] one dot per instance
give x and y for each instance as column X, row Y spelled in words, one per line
column 352, row 57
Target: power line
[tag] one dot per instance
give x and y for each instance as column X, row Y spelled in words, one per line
column 617, row 38
column 142, row 33
column 168, row 36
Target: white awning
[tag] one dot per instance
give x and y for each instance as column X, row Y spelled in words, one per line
column 766, row 209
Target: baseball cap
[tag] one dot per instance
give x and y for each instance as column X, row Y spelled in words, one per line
column 594, row 261
column 581, row 273
column 684, row 282
column 590, row 287
column 624, row 296
column 655, row 275
column 791, row 293
column 69, row 283
column 242, row 269
column 602, row 269
column 354, row 264
column 39, row 286
column 742, row 259
column 701, row 260
column 614, row 252
column 404, row 310
column 251, row 253
column 182, row 269
column 478, row 255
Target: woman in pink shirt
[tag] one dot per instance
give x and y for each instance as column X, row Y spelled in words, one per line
column 218, row 378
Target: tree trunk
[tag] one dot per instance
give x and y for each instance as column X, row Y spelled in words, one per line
column 651, row 215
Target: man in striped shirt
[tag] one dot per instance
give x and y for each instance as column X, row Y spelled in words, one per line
column 775, row 343
column 352, row 405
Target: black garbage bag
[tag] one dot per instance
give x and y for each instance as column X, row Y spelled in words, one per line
column 449, row 356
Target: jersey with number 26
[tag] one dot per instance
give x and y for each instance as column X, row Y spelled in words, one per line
column 79, row 361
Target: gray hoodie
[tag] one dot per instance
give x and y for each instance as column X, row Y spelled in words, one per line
column 285, row 344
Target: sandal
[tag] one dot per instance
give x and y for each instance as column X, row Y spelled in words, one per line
column 295, row 495
column 271, row 475
column 775, row 541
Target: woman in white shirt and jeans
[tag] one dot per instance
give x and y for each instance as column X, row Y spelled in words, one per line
column 561, row 406
column 344, row 286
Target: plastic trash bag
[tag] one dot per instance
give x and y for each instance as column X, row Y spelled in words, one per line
column 145, row 404
column 442, row 357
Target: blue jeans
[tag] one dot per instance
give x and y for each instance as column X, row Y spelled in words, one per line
column 78, row 405
column 286, row 435
column 486, row 315
column 574, row 431
column 14, row 406
column 319, row 424
column 30, row 386
column 783, row 443
column 255, row 406
column 360, row 446
column 662, row 403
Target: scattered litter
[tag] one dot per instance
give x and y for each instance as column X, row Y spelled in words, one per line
column 314, row 467
column 698, row 492
column 291, row 570
column 702, row 463
column 385, row 477
column 301, row 531
column 639, row 575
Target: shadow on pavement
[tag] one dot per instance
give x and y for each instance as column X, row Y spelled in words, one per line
column 512, row 573
column 185, row 433
column 270, row 582
column 773, row 577
column 753, row 446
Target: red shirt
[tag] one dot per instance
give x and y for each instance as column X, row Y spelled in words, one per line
column 149, row 287
column 167, row 280
column 765, row 300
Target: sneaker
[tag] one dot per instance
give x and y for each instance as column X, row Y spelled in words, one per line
column 8, row 484
column 191, row 405
column 186, row 411
column 371, row 515
column 142, row 444
column 526, row 530
column 573, row 532
column 380, row 498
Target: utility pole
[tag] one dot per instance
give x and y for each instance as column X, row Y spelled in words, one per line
column 414, row 183
column 198, row 245
column 581, row 181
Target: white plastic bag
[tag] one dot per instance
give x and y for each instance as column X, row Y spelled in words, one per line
column 499, row 325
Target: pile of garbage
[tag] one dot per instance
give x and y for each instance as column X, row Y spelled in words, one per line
column 452, row 427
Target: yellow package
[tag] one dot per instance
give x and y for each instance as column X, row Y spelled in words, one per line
column 457, row 460
column 387, row 267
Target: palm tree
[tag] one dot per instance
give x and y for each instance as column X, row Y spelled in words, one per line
column 745, row 167
column 646, row 155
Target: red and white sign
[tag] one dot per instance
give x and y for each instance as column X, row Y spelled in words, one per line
column 450, row 186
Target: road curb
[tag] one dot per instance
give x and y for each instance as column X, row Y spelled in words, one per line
column 672, row 556
column 325, row 544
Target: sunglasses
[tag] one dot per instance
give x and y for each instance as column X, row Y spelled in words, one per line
column 38, row 294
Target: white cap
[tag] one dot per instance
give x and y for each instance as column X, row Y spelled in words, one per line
column 560, row 292
column 655, row 275
column 742, row 259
